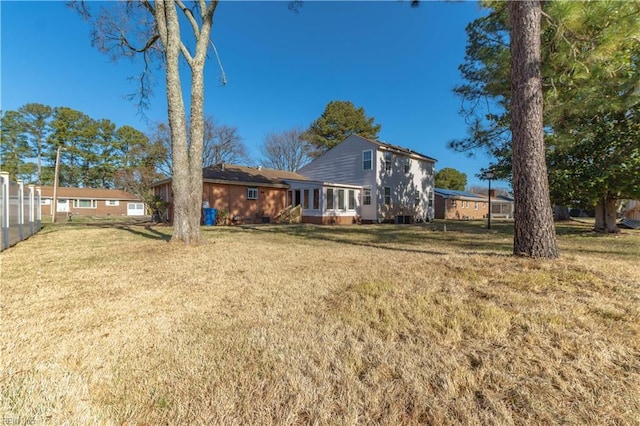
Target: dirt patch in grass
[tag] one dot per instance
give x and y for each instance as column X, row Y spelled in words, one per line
column 322, row 325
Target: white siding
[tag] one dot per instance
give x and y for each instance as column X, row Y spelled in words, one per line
column 420, row 177
column 343, row 164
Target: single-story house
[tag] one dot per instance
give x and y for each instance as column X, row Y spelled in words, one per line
column 241, row 193
column 91, row 202
column 463, row 205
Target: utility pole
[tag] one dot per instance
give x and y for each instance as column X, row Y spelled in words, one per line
column 54, row 202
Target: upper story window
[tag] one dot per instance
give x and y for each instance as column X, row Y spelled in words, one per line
column 367, row 160
column 407, row 165
column 388, row 161
column 252, row 193
column 416, row 195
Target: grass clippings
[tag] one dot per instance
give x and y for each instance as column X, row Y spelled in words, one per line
column 319, row 325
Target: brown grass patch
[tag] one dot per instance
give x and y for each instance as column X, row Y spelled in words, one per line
column 320, row 325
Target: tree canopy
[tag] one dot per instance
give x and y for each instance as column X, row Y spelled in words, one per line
column 450, row 178
column 95, row 152
column 590, row 86
column 339, row 120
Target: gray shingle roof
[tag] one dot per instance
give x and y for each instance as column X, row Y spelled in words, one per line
column 244, row 174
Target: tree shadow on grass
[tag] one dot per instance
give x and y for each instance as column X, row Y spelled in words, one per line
column 148, row 232
column 382, row 238
column 145, row 230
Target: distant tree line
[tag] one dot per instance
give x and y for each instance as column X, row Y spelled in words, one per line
column 93, row 152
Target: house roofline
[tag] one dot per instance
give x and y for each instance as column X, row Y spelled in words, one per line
column 323, row 183
column 246, row 183
column 398, row 149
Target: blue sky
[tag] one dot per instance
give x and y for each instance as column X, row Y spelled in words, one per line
column 399, row 63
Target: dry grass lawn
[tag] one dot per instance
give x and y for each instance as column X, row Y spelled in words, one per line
column 287, row 325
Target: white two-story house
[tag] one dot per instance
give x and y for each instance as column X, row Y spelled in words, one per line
column 366, row 180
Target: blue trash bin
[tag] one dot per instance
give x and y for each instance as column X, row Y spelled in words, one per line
column 210, row 216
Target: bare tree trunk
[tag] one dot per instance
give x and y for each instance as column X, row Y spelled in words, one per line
column 169, row 30
column 606, row 220
column 534, row 233
column 197, row 118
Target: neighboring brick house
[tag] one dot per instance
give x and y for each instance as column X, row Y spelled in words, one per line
column 244, row 194
column 369, row 180
column 463, row 205
column 91, row 202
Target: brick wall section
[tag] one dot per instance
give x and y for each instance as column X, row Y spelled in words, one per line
column 329, row 220
column 445, row 209
column 233, row 199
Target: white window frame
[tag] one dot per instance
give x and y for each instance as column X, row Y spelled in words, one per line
column 388, row 161
column 252, row 193
column 416, row 195
column 342, row 205
column 305, row 199
column 76, row 204
column 112, row 203
column 366, row 196
column 387, row 198
column 316, row 198
column 45, row 201
column 407, row 166
column 330, row 199
column 351, row 199
column 369, row 161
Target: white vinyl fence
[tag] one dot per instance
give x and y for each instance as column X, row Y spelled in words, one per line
column 20, row 214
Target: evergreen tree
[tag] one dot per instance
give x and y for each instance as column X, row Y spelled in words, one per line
column 589, row 70
column 450, row 178
column 35, row 122
column 339, row 120
column 14, row 149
